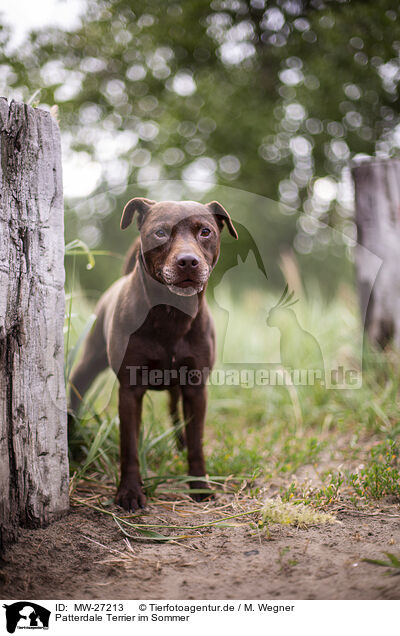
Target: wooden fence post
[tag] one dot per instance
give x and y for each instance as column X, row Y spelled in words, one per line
column 33, row 430
column 377, row 195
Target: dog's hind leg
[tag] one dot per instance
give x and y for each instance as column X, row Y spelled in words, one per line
column 92, row 362
column 174, row 395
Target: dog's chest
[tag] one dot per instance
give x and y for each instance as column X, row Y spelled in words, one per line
column 161, row 338
column 168, row 325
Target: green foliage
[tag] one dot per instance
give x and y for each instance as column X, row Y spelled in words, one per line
column 97, row 455
column 381, row 476
column 296, row 452
column 251, row 434
column 328, row 494
column 266, row 97
column 217, row 79
column 259, row 434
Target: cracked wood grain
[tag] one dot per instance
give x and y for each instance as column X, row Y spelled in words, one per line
column 33, row 437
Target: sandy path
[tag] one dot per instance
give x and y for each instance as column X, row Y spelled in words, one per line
column 325, row 562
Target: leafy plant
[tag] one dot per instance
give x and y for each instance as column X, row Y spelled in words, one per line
column 317, row 497
column 381, row 476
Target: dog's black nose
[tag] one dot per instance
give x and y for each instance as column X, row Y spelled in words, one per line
column 187, row 260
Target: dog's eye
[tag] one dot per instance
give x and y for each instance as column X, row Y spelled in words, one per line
column 205, row 232
column 161, row 234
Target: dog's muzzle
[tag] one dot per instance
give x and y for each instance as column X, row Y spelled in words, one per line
column 186, row 287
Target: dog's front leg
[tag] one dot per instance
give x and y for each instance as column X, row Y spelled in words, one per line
column 130, row 493
column 194, row 410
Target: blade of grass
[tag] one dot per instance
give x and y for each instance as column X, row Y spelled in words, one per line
column 76, row 247
column 94, row 452
column 73, row 352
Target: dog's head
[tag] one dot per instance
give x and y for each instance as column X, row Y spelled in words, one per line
column 180, row 241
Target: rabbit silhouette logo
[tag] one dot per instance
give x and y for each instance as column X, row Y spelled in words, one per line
column 299, row 349
column 26, row 615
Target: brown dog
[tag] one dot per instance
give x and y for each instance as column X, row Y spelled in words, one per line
column 154, row 328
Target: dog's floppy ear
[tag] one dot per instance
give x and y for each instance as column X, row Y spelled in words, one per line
column 139, row 205
column 222, row 217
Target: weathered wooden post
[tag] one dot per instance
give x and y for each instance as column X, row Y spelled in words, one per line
column 33, row 430
column 377, row 194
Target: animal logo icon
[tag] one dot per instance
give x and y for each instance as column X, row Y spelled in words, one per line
column 241, row 296
column 25, row 615
column 299, row 349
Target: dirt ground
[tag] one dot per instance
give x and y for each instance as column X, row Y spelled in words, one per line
column 85, row 556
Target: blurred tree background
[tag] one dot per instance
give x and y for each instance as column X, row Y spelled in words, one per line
column 274, row 98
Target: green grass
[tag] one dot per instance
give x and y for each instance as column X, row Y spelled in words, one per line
column 320, row 497
column 347, row 440
column 392, row 563
column 381, row 476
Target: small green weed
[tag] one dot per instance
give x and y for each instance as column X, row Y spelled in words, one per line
column 381, row 477
column 316, row 497
column 393, row 563
column 285, row 564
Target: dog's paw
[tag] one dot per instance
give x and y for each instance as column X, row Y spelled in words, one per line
column 130, row 497
column 201, row 496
